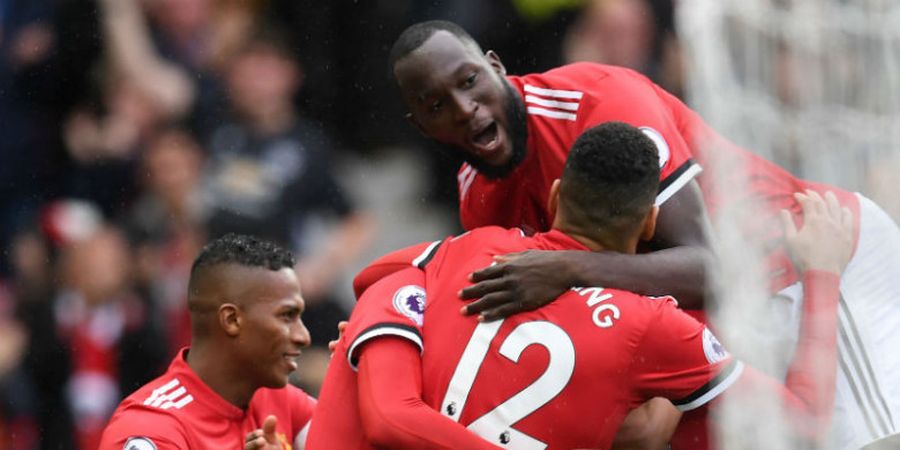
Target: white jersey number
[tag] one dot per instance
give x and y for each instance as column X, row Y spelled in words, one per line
column 496, row 425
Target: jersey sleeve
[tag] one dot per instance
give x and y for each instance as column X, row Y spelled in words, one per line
column 681, row 360
column 394, row 306
column 131, row 428
column 413, row 256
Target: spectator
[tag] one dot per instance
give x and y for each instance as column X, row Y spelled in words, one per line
column 91, row 342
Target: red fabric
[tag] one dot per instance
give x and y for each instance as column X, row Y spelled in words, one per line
column 386, row 265
column 195, row 416
column 613, row 93
column 606, row 93
column 391, row 407
column 808, row 391
column 740, row 182
column 603, row 384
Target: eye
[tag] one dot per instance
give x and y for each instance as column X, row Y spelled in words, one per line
column 470, row 80
column 289, row 315
column 435, row 106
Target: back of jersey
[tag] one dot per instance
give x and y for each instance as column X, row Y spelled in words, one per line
column 553, row 378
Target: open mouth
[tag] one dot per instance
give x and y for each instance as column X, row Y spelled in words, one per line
column 487, row 138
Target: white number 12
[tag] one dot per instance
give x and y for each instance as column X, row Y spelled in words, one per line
column 496, row 425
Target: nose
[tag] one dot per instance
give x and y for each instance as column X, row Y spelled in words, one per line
column 300, row 335
column 464, row 107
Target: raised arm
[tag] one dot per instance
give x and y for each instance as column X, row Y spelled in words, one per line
column 821, row 250
column 675, row 266
column 132, row 54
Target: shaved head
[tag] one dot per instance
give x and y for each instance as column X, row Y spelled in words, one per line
column 246, row 309
column 224, row 273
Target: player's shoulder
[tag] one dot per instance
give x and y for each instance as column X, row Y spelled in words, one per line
column 580, row 77
column 135, row 425
column 485, row 238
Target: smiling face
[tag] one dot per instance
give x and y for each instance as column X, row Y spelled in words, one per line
column 458, row 96
column 271, row 331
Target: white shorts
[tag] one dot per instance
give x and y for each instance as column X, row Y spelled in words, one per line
column 867, row 401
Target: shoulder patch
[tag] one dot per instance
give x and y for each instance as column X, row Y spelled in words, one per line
column 139, row 443
column 410, row 301
column 712, row 348
column 661, row 146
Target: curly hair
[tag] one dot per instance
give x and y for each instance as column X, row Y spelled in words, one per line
column 611, row 177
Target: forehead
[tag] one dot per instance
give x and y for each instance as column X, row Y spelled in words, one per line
column 440, row 56
column 257, row 285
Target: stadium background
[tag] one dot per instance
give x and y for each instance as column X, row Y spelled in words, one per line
column 113, row 170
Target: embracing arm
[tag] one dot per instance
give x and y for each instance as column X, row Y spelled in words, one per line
column 676, row 266
column 390, row 402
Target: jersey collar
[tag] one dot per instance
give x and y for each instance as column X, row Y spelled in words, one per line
column 557, row 240
column 203, row 394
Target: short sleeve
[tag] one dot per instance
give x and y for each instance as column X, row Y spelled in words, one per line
column 140, row 429
column 394, row 306
column 680, row 359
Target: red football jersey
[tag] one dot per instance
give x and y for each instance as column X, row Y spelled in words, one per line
column 561, row 104
column 178, row 411
column 564, row 102
column 561, row 377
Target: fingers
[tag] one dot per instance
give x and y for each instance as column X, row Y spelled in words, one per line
column 483, row 288
column 847, row 219
column 257, row 443
column 833, row 207
column 342, row 326
column 489, row 272
column 268, row 429
column 503, row 311
column 254, row 435
column 487, row 302
column 500, row 259
column 787, row 221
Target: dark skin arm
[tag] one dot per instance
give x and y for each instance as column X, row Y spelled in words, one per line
column 675, row 266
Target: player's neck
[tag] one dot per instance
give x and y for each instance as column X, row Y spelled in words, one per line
column 596, row 241
column 220, row 374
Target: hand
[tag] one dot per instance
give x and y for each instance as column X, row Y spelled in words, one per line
column 517, row 282
column 342, row 325
column 263, row 438
column 825, row 242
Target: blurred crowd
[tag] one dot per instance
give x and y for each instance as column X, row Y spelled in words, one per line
column 133, row 131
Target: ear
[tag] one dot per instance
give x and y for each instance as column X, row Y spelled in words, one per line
column 412, row 120
column 649, row 228
column 230, row 319
column 494, row 61
column 553, row 199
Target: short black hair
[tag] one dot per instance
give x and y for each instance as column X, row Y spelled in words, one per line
column 242, row 250
column 415, row 35
column 610, row 179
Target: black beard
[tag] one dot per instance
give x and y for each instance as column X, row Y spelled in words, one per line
column 517, row 129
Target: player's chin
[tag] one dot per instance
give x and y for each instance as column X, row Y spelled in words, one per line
column 278, row 380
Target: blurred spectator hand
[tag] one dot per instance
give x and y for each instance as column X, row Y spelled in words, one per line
column 12, row 345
